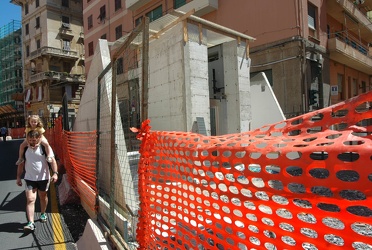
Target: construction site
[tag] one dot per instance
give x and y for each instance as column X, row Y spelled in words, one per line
column 11, row 96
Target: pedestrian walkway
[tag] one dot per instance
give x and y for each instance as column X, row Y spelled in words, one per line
column 53, row 234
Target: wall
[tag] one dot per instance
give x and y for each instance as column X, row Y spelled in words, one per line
column 285, row 62
column 178, row 88
column 113, row 19
column 264, row 20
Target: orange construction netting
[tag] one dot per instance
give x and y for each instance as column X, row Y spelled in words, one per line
column 77, row 153
column 304, row 183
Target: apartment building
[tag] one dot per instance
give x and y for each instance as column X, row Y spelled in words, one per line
column 11, row 98
column 314, row 53
column 53, row 56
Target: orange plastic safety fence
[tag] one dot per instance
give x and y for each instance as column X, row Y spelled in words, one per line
column 17, row 133
column 304, row 183
column 77, row 153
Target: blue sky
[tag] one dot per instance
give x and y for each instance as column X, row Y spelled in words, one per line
column 9, row 12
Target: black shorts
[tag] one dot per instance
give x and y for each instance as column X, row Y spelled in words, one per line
column 39, row 185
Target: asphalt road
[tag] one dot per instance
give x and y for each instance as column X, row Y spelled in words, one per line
column 53, row 234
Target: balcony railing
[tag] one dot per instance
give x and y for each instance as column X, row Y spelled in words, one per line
column 54, row 51
column 59, row 76
column 353, row 42
column 350, row 52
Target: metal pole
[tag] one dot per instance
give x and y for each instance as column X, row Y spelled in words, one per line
column 113, row 149
column 145, row 73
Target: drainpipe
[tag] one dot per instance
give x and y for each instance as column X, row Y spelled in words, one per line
column 320, row 82
column 301, row 22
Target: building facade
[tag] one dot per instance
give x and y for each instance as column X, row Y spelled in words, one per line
column 314, row 53
column 11, row 88
column 53, row 57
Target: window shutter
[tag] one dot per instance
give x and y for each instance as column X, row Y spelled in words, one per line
column 40, row 94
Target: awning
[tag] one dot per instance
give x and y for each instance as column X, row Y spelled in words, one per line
column 7, row 109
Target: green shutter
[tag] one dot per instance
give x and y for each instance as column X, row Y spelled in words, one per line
column 179, row 3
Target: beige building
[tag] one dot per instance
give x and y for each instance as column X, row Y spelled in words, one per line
column 314, row 53
column 53, row 56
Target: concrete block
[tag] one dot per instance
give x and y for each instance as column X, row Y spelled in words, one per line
column 66, row 194
column 93, row 238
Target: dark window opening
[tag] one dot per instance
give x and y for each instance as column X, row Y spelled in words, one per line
column 117, row 5
column 155, row 13
column 179, row 3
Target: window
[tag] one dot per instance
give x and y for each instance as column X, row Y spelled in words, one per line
column 311, row 17
column 27, row 29
column 37, row 24
column 28, row 50
column 39, row 93
column 119, row 66
column 37, row 3
column 268, row 73
column 38, row 44
column 155, row 13
column 65, row 3
column 179, row 3
column 340, row 84
column 66, row 66
column 26, row 8
column 117, row 4
column 65, row 22
column 118, row 32
column 355, row 87
column 103, row 36
column 138, row 21
column 364, row 87
column 66, row 45
column 102, row 13
column 90, row 48
column 90, row 22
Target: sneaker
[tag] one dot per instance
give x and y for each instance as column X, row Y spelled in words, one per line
column 29, row 227
column 43, row 217
column 19, row 161
column 49, row 159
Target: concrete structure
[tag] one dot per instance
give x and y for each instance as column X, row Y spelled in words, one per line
column 265, row 107
column 11, row 87
column 53, row 56
column 184, row 84
column 305, row 47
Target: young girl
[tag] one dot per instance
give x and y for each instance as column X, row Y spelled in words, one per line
column 34, row 122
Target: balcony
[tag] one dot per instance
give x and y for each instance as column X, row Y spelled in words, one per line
column 65, row 31
column 57, row 76
column 353, row 17
column 135, row 4
column 351, row 53
column 201, row 7
column 71, row 54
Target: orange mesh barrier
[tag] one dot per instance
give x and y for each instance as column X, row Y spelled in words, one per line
column 304, row 183
column 77, row 153
column 17, row 133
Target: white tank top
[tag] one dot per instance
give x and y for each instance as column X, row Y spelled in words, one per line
column 36, row 166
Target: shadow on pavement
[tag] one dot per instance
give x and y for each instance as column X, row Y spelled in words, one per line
column 12, row 227
column 13, row 204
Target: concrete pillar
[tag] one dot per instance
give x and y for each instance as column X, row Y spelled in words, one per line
column 197, row 102
column 237, row 87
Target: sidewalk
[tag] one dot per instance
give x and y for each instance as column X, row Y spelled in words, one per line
column 54, row 234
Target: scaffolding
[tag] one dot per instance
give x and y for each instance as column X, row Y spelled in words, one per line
column 11, row 87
